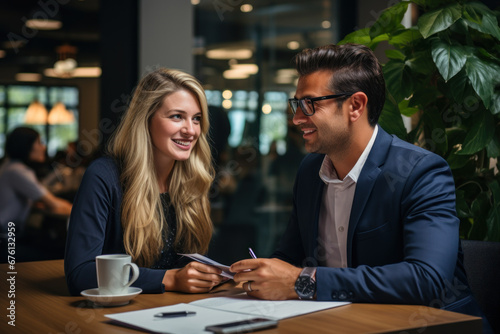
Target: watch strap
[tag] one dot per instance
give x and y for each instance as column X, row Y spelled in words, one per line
column 309, row 271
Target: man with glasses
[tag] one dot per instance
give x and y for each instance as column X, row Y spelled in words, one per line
column 374, row 217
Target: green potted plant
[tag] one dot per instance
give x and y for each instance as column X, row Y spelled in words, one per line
column 444, row 72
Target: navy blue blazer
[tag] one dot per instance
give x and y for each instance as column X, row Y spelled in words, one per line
column 403, row 237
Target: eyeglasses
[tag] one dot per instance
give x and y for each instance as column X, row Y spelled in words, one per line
column 307, row 104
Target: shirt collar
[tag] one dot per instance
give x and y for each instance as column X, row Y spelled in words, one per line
column 328, row 174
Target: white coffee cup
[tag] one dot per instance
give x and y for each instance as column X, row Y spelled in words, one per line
column 113, row 273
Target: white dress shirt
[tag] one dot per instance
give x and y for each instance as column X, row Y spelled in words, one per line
column 336, row 209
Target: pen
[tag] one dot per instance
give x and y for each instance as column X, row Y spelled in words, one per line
column 252, row 254
column 174, row 314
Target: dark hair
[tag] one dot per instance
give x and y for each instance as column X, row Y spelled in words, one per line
column 20, row 142
column 354, row 68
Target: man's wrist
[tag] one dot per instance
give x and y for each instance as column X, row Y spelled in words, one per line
column 305, row 285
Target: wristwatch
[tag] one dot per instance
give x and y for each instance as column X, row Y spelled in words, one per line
column 305, row 285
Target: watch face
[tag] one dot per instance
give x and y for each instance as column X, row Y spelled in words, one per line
column 305, row 287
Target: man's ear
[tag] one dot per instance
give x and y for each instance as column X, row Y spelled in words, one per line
column 358, row 106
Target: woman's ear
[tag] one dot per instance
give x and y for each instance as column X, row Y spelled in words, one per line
column 358, row 106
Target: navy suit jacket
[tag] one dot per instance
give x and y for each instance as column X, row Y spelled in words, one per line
column 403, row 237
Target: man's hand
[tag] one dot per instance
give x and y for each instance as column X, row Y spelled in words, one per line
column 195, row 277
column 271, row 279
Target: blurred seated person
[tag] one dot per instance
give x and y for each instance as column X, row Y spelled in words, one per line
column 66, row 171
column 149, row 196
column 19, row 187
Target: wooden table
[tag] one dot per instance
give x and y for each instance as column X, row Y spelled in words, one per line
column 43, row 305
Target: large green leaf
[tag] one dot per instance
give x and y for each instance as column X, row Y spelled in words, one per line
column 361, row 36
column 435, row 138
column 429, row 4
column 398, row 78
column 391, row 121
column 456, row 161
column 439, row 19
column 459, row 87
column 480, row 133
column 421, row 62
column 404, row 37
column 448, row 57
column 389, row 20
column 480, row 17
column 424, row 95
column 395, row 54
column 482, row 77
column 405, row 109
column 375, row 41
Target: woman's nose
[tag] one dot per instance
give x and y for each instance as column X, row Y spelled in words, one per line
column 188, row 128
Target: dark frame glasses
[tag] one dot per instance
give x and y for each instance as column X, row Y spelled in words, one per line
column 307, row 103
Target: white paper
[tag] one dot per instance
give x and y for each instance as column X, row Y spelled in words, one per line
column 196, row 324
column 203, row 259
column 276, row 309
column 217, row 310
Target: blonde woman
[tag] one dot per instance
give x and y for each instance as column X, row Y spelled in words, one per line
column 149, row 196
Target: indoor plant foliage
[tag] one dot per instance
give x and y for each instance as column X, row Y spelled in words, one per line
column 445, row 71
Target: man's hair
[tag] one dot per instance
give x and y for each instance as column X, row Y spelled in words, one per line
column 354, row 68
column 20, row 142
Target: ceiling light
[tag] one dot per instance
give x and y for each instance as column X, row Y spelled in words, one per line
column 44, row 24
column 326, row 24
column 60, row 115
column 246, row 8
column 29, row 77
column 229, row 53
column 235, row 74
column 293, row 45
column 227, row 94
column 79, row 72
column 287, row 72
column 13, row 44
column 195, row 2
column 227, row 104
column 65, row 67
column 247, row 68
column 36, row 113
column 285, row 76
column 66, row 64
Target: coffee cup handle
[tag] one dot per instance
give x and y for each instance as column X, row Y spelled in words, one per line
column 135, row 273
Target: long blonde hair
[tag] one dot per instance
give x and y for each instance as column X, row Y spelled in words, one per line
column 141, row 209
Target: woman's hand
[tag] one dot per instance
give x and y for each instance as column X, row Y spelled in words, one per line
column 195, row 277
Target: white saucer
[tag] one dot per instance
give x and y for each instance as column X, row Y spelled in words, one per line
column 111, row 300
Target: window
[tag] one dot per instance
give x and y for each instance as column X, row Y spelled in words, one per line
column 14, row 102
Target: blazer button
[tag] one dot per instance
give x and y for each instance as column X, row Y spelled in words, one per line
column 342, row 295
column 351, row 295
column 335, row 296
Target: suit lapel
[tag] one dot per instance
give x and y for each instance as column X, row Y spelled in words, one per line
column 366, row 181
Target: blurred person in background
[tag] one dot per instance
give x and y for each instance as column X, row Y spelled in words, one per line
column 19, row 187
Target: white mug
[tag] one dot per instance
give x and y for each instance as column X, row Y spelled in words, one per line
column 113, row 272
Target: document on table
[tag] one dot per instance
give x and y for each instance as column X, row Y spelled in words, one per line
column 217, row 310
column 145, row 319
column 203, row 259
column 275, row 309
